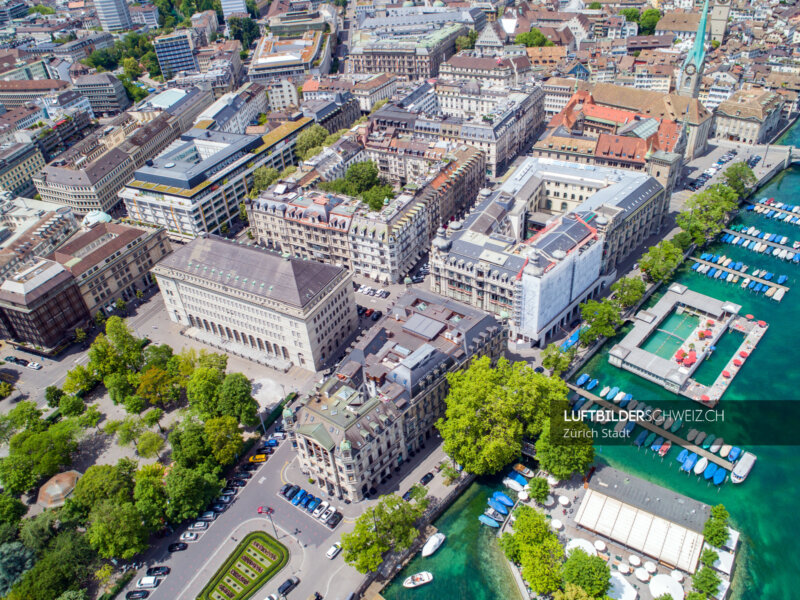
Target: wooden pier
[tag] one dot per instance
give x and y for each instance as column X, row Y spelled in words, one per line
column 768, row 208
column 667, row 435
column 753, row 238
column 740, row 274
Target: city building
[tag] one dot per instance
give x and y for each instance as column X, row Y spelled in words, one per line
column 506, row 72
column 206, row 22
column 11, row 10
column 18, row 92
column 52, row 137
column 557, row 92
column 546, row 240
column 197, row 184
column 335, row 113
column 284, row 310
column 110, row 261
column 368, row 89
column 424, row 19
column 408, row 56
column 175, row 52
column 57, row 105
column 231, row 7
column 750, row 116
column 209, row 57
column 333, row 162
column 30, row 229
column 293, row 58
column 282, row 94
column 105, row 93
column 19, row 117
column 18, row 164
column 234, row 111
column 41, row 306
column 144, row 14
column 219, row 77
column 381, row 405
column 301, row 17
column 113, row 15
column 81, row 48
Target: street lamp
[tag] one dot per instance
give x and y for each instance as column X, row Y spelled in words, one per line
column 269, row 512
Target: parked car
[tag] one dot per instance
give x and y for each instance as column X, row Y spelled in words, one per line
column 327, row 514
column 188, row 536
column 292, row 492
column 248, row 467
column 313, row 504
column 320, row 509
column 407, row 496
column 198, row 525
column 209, row 515
column 306, row 499
column 22, row 362
column 219, row 507
column 243, row 475
column 237, row 483
column 11, row 359
column 258, row 458
column 376, row 315
column 334, row 520
column 369, row 312
column 299, row 496
column 226, row 498
column 334, row 550
column 286, row 487
column 273, row 443
column 158, row 571
column 136, row 594
column 426, row 479
column 230, row 491
column 148, row 582
column 288, row 585
column 177, row 547
column 35, row 366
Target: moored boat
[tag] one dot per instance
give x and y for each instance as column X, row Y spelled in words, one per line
column 734, row 453
column 710, row 470
column 725, row 450
column 604, row 391
column 716, row 445
column 493, row 514
column 511, row 484
column 743, row 467
column 662, row 452
column 620, row 426
column 488, row 521
column 656, row 446
column 582, row 380
column 676, row 425
column 633, row 404
column 650, row 439
column 503, row 498
column 701, row 465
column 640, row 439
column 708, row 441
column 683, row 456
column 498, row 506
column 700, row 437
column 689, row 463
column 424, row 577
column 692, row 435
column 668, row 423
column 433, row 543
column 618, row 398
column 719, row 476
column 517, row 477
column 592, row 384
column 625, row 400
column 523, row 470
column 613, row 392
column 629, row 427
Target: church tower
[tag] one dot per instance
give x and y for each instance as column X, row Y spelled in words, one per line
column 692, row 70
column 719, row 20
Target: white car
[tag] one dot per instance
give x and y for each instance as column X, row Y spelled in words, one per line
column 197, row 525
column 35, row 366
column 148, row 582
column 327, row 514
column 188, row 536
column 320, row 509
column 334, row 550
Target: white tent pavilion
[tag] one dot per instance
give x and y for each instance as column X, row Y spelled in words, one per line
column 600, row 545
column 664, row 584
column 556, row 524
column 581, row 543
column 634, row 560
column 641, row 574
column 523, row 496
column 563, row 501
column 620, row 589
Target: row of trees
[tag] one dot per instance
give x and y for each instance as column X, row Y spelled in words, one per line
column 536, row 549
column 490, row 409
column 311, row 141
column 362, row 180
column 135, row 46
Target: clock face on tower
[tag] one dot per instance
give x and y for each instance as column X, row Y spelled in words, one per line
column 690, row 69
column 721, row 1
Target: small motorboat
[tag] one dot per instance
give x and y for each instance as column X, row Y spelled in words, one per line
column 700, row 466
column 708, row 441
column 689, row 463
column 523, row 470
column 633, row 404
column 743, row 467
column 725, row 450
column 700, row 437
column 716, row 445
column 578, row 404
column 613, row 392
column 433, row 543
column 513, row 485
column 676, row 425
column 424, row 577
column 604, row 391
column 692, row 435
column 640, row 438
column 650, row 439
column 629, row 427
column 720, row 475
column 620, row 426
column 662, row 452
column 517, row 477
column 734, row 453
column 486, row 521
column 683, row 456
column 668, row 423
column 502, row 498
column 592, row 384
column 625, row 400
column 493, row 514
column 618, row 398
column 498, row 506
column 582, row 380
column 710, row 470
column 656, row 446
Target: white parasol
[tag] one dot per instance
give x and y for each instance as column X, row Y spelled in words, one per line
column 523, row 496
column 549, row 501
column 563, row 501
column 650, row 566
column 624, row 568
column 600, row 545
column 677, row 575
column 641, row 574
column 556, row 524
column 634, row 560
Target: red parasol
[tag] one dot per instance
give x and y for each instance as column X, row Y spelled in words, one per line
column 680, row 354
column 709, row 322
column 749, row 317
column 737, row 362
column 705, row 398
column 744, row 354
column 762, row 323
column 726, row 374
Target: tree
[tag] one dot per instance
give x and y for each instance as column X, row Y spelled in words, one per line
column 704, row 213
column 648, row 21
column 243, row 29
column 158, row 387
column 202, row 391
column 190, row 447
column 263, row 177
column 15, row 559
column 539, row 490
column 715, row 529
column 103, row 574
column 574, row 592
column 118, row 386
column 132, row 69
column 376, row 196
column 128, row 346
column 706, row 582
column 41, row 9
column 26, row 415
column 628, row 291
column 53, row 395
column 715, row 44
column 601, row 318
column 134, row 404
column 389, row 524
column 116, row 530
column 120, row 304
column 157, row 355
column 224, row 438
column 37, row 531
column 682, row 240
column 150, row 444
column 565, row 448
column 104, row 358
column 189, row 491
column 150, row 495
column 90, row 418
column 740, row 178
column 11, row 509
column 489, row 409
column 557, row 360
column 5, row 390
column 466, row 42
column 362, row 176
column 129, row 430
column 595, row 6
column 696, row 596
column 71, row 406
column 660, row 260
column 235, row 399
column 153, row 417
column 589, row 572
column 80, row 335
column 79, row 380
column 533, row 39
column 308, row 138
column 536, row 548
column 105, row 482
column 708, row 557
column 243, row 213
column 36, row 454
column 631, row 14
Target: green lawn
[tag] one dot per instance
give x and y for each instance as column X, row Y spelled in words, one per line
column 256, row 559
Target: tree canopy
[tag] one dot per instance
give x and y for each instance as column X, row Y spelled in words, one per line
column 243, row 29
column 588, row 572
column 564, row 448
column 628, row 291
column 308, row 139
column 648, row 21
column 224, row 439
column 601, row 318
column 557, row 360
column 236, row 399
column 740, row 178
column 660, row 260
column 533, row 39
column 715, row 529
column 704, row 213
column 116, row 530
column 535, row 547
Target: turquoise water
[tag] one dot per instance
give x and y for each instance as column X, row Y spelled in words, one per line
column 670, row 335
column 764, row 507
column 469, row 565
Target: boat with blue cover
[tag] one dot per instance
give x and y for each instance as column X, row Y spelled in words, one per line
column 734, row 453
column 640, row 438
column 578, row 404
column 487, row 521
column 629, row 427
column 625, row 400
column 710, row 470
column 498, row 506
column 592, row 384
column 695, row 266
column 517, row 477
column 689, row 463
column 582, row 379
column 614, row 391
column 781, row 279
column 503, row 498
column 683, row 455
column 720, row 476
column 656, row 446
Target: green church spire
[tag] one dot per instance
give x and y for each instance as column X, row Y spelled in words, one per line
column 698, row 54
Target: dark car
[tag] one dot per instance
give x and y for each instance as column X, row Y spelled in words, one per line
column 219, row 507
column 376, row 315
column 11, row 359
column 23, row 362
column 237, row 483
column 361, row 310
column 279, row 428
column 286, row 487
column 426, row 479
column 135, row 594
column 407, row 496
column 177, row 547
column 292, row 491
column 288, row 585
column 157, row 571
column 243, row 475
column 306, row 499
column 229, row 491
column 266, row 449
column 334, row 520
column 248, row 467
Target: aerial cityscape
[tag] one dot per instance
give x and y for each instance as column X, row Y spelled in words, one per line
column 408, row 300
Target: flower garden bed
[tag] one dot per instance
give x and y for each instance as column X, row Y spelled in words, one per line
column 256, row 559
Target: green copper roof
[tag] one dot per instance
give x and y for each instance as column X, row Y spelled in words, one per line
column 318, row 433
column 698, row 54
